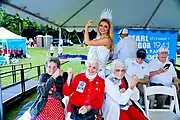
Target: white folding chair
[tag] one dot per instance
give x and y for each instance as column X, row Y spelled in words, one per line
column 164, row 114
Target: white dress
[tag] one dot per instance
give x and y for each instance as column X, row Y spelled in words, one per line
column 102, row 54
column 114, row 98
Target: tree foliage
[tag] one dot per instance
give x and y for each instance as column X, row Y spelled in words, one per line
column 30, row 29
column 18, row 25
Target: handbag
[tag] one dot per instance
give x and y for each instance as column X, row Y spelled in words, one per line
column 90, row 115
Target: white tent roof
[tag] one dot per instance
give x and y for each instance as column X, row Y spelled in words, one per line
column 6, row 34
column 126, row 13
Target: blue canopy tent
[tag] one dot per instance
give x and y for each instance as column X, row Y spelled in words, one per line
column 12, row 40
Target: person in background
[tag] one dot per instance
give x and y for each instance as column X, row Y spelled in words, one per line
column 1, row 49
column 126, row 47
column 86, row 92
column 140, row 68
column 10, row 51
column 1, row 52
column 5, row 50
column 61, row 41
column 162, row 73
column 48, row 105
column 20, row 53
column 60, row 50
column 16, row 53
column 35, row 42
column 31, row 41
column 118, row 104
column 101, row 47
column 52, row 49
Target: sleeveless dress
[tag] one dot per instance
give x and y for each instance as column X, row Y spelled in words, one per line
column 102, row 54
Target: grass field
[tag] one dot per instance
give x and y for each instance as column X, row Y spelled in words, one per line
column 38, row 57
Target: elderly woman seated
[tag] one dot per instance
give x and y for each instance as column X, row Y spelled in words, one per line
column 86, row 92
column 118, row 104
column 48, row 105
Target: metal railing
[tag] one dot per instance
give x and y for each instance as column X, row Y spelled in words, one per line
column 13, row 68
column 22, row 81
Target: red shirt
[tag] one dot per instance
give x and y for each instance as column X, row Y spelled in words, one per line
column 15, row 51
column 1, row 52
column 5, row 50
column 10, row 51
column 85, row 92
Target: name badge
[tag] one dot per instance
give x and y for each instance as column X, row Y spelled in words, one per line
column 81, row 86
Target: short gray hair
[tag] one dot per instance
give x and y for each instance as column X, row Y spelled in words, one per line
column 118, row 62
column 96, row 61
column 54, row 60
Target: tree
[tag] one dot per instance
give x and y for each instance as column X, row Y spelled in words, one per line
column 2, row 13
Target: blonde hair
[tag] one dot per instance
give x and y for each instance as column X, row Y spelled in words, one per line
column 110, row 31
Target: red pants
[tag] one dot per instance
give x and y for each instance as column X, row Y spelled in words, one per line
column 132, row 113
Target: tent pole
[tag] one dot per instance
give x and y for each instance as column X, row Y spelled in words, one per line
column 78, row 38
column 154, row 12
column 1, row 105
column 60, row 30
column 76, row 12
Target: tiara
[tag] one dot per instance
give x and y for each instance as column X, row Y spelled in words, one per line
column 106, row 14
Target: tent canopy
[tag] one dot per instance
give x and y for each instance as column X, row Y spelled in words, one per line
column 12, row 40
column 76, row 13
column 6, row 34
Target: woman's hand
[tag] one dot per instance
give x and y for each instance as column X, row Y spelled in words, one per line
column 134, row 81
column 84, row 109
column 122, row 90
column 70, row 75
column 90, row 22
column 56, row 73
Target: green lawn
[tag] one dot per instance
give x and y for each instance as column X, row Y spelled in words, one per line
column 39, row 56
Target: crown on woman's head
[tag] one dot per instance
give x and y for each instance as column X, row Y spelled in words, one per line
column 106, row 14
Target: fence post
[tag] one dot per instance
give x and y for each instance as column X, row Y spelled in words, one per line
column 13, row 73
column 21, row 66
column 39, row 71
column 31, row 65
column 1, row 101
column 22, row 81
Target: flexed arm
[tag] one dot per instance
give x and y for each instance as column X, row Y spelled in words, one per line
column 97, row 42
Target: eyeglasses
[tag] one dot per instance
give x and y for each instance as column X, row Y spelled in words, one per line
column 103, row 26
column 119, row 70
